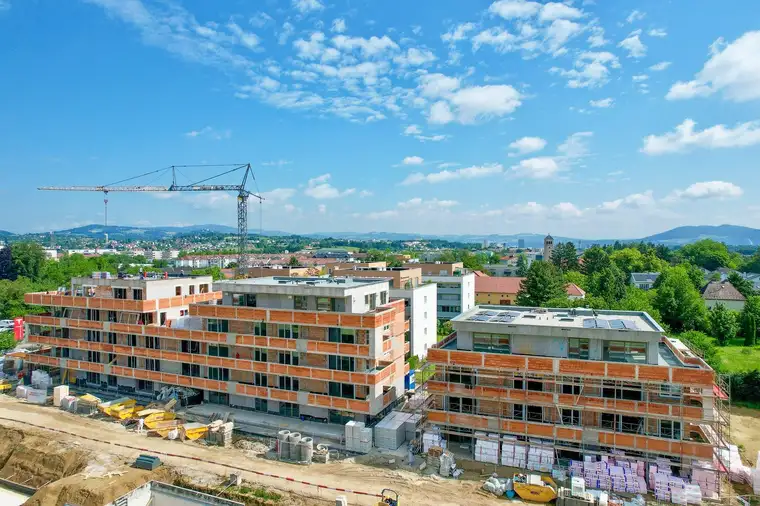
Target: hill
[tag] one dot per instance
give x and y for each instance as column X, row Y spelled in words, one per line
column 733, row 235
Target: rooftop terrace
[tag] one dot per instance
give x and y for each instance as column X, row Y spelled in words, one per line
column 321, row 282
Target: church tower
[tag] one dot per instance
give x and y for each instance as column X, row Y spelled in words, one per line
column 548, row 248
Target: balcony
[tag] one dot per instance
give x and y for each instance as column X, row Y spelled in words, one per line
column 58, row 299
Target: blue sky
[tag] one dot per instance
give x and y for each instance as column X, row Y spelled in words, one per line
column 586, row 118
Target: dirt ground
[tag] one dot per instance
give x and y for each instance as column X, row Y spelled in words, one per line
column 348, row 474
column 745, row 431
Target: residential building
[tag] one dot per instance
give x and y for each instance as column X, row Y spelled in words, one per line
column 723, row 292
column 548, row 247
column 455, row 293
column 503, row 291
column 644, row 280
column 342, row 265
column 333, row 253
column 419, row 299
column 521, row 243
column 438, row 268
column 51, row 253
column 753, row 277
column 501, row 270
column 581, row 382
column 203, row 261
column 331, row 349
column 265, row 271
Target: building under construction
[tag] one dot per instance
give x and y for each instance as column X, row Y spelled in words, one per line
column 580, row 382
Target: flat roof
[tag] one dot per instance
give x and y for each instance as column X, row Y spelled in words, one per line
column 317, row 282
column 562, row 318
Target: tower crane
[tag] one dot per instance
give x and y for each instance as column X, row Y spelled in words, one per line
column 243, row 194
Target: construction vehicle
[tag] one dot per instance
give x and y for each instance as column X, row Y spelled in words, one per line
column 5, row 386
column 534, row 488
column 388, row 497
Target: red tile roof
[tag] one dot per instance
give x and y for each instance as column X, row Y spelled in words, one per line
column 574, row 290
column 497, row 284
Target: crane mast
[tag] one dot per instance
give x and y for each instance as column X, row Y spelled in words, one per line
column 243, row 195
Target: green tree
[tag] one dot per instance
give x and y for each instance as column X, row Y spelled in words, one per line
column 215, row 273
column 752, row 308
column 696, row 275
column 28, row 259
column 7, row 341
column 636, row 299
column 565, row 257
column 522, row 265
column 577, row 278
column 752, row 264
column 652, row 263
column 445, row 328
column 678, row 301
column 12, row 298
column 609, row 283
column 158, row 264
column 707, row 253
column 744, row 286
column 543, row 283
column 628, row 260
column 6, row 263
column 749, row 328
column 594, row 260
column 703, row 344
column 293, row 262
column 723, row 325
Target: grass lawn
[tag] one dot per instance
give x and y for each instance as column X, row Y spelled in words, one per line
column 736, row 357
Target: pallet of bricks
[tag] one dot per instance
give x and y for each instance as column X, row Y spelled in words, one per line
column 671, row 488
column 513, row 453
column 611, row 473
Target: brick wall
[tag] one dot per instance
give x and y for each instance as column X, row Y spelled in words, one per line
column 312, row 385
column 314, row 360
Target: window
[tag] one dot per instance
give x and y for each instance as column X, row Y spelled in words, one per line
column 371, row 300
column 112, row 382
column 111, row 358
column 493, row 343
column 131, row 340
column 461, row 404
column 625, row 351
column 260, row 379
column 137, row 293
column 93, row 315
column 244, row 299
column 288, row 331
column 344, row 390
column 219, row 373
column 112, row 316
column 111, row 337
column 289, row 409
column 287, row 358
column 215, row 325
column 193, row 370
column 132, row 362
column 260, row 355
column 260, row 404
column 288, row 383
column 191, row 347
column 670, row 390
column 670, row 429
column 571, row 389
column 535, row 414
column 518, row 411
column 218, row 351
column 465, row 379
column 152, row 364
column 145, row 386
column 259, row 329
column 119, row 293
column 338, row 363
column 451, row 309
column 383, row 298
column 535, row 386
column 93, row 356
column 192, row 289
column 152, row 343
column 93, row 377
column 571, row 417
column 203, row 288
column 325, row 304
column 93, row 336
column 627, row 391
column 300, row 303
column 177, row 290
column 219, row 398
column 577, row 349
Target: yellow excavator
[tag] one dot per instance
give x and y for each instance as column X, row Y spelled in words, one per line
column 389, row 498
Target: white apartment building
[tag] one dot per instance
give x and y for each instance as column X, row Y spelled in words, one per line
column 455, row 294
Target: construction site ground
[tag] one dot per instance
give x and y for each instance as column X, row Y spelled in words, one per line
column 107, row 465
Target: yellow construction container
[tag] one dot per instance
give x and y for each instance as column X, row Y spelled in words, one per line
column 123, row 412
column 152, row 421
column 193, row 431
column 534, row 488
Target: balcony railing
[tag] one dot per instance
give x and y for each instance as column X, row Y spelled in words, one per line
column 56, row 299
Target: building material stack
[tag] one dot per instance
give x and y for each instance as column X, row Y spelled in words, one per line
column 390, row 433
column 513, row 454
column 487, row 448
column 59, row 393
column 540, row 457
column 358, row 437
column 432, row 438
column 706, row 477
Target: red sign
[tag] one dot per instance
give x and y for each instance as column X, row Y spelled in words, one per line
column 18, row 328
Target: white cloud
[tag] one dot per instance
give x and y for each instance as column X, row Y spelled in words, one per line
column 374, row 46
column 418, row 203
column 592, row 69
column 338, row 25
column 415, row 57
column 437, row 85
column 319, row 188
column 553, row 11
column 719, row 136
column 658, row 67
column 322, row 209
column 432, row 138
column 260, row 19
column 5, row 5
column 575, row 146
column 634, row 16
column 633, row 201
column 634, row 46
column 596, row 39
column 209, row 132
column 559, row 32
column 566, row 210
column 310, row 49
column 413, row 160
column 276, row 163
column 657, row 32
column 526, row 145
column 603, row 103
column 733, row 70
column 279, row 194
column 285, row 33
column 468, row 105
column 365, row 193
column 501, row 40
column 381, row 215
column 639, row 78
column 450, row 175
column 458, row 32
column 512, row 9
column 706, row 190
column 542, row 167
column 412, row 130
column 306, row 6
column 248, row 39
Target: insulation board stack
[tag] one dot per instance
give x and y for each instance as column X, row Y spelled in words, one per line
column 35, row 396
column 513, row 454
column 705, row 477
column 365, row 440
column 487, row 448
column 21, row 391
column 410, row 426
column 431, row 439
column 353, row 435
column 693, row 494
column 540, row 458
column 390, row 433
column 59, row 393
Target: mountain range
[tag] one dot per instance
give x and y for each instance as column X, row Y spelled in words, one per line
column 730, row 234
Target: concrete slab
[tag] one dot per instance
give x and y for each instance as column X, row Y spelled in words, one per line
column 267, row 425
